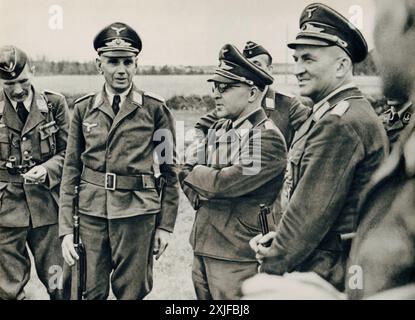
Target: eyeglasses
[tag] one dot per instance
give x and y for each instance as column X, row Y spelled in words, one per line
column 222, row 87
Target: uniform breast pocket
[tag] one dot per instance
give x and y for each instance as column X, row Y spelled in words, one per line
column 48, row 139
column 4, row 144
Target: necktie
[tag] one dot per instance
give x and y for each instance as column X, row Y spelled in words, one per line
column 116, row 104
column 22, row 112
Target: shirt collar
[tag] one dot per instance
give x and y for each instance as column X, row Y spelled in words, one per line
column 27, row 102
column 319, row 104
column 240, row 120
column 123, row 95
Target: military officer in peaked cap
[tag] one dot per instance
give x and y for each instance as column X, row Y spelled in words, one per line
column 114, row 154
column 228, row 185
column 285, row 110
column 33, row 134
column 382, row 254
column 333, row 154
column 396, row 118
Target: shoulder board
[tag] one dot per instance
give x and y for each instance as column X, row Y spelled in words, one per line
column 47, row 91
column 154, row 96
column 84, row 97
column 270, row 125
column 340, row 109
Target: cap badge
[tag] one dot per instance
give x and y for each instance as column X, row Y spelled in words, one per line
column 310, row 12
column 223, row 65
column 118, row 30
column 7, row 57
column 118, row 42
column 223, row 51
column 308, row 27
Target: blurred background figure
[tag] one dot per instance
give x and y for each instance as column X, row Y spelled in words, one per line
column 395, row 119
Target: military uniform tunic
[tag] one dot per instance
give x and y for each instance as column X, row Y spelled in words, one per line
column 330, row 162
column 113, row 160
column 29, row 212
column 228, row 196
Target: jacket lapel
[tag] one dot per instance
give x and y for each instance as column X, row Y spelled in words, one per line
column 303, row 129
column 326, row 107
column 101, row 102
column 10, row 117
column 38, row 109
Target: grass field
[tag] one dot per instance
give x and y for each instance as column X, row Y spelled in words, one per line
column 172, row 272
column 171, row 85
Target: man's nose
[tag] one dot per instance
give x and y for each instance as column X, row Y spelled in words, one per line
column 216, row 93
column 18, row 89
column 299, row 68
column 121, row 69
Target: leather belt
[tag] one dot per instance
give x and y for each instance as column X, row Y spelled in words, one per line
column 112, row 181
column 5, row 176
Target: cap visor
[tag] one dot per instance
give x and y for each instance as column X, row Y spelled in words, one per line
column 308, row 42
column 221, row 79
column 118, row 53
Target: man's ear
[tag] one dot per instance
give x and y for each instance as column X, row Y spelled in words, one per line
column 33, row 70
column 344, row 65
column 98, row 65
column 254, row 93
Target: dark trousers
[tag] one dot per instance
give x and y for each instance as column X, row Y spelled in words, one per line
column 123, row 247
column 15, row 266
column 216, row 279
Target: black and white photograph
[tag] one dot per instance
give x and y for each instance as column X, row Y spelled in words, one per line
column 195, row 150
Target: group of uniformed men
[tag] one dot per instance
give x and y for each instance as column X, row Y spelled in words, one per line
column 320, row 161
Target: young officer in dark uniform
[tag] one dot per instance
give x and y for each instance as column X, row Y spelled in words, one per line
column 333, row 154
column 243, row 168
column 114, row 143
column 33, row 133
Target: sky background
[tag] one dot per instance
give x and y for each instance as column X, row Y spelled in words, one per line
column 174, row 32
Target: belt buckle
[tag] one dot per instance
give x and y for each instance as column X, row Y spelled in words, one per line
column 29, row 182
column 110, row 181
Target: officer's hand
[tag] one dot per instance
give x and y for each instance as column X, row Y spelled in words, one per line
column 37, row 174
column 161, row 240
column 256, row 245
column 68, row 250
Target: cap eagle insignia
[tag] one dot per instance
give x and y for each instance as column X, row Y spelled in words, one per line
column 7, row 56
column 310, row 12
column 118, row 30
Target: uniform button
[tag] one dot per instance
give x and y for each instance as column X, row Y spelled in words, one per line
column 109, row 156
column 26, row 153
column 24, row 139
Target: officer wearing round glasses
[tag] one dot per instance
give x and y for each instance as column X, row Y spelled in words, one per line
column 242, row 168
